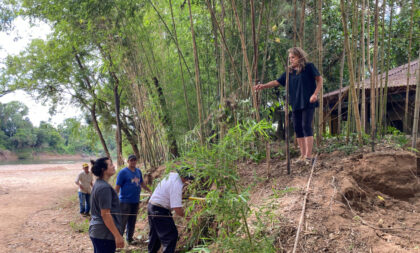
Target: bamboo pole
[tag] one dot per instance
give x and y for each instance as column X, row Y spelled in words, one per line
column 302, row 214
column 416, row 109
column 407, row 91
column 350, row 66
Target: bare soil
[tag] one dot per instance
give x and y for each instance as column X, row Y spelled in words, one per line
column 37, row 206
column 365, row 202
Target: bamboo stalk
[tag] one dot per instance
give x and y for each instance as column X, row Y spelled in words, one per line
column 302, row 214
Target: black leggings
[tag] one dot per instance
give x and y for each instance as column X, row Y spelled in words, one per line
column 302, row 122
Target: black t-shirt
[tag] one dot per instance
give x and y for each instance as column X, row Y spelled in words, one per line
column 301, row 87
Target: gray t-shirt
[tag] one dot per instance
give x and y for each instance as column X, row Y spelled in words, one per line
column 104, row 197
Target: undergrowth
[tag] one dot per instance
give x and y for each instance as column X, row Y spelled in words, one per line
column 220, row 223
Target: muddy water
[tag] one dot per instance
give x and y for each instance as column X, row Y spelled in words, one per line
column 26, row 189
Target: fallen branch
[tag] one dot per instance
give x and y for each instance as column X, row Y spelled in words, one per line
column 304, row 205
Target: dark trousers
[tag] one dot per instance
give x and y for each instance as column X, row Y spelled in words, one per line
column 103, row 246
column 128, row 222
column 302, row 122
column 162, row 230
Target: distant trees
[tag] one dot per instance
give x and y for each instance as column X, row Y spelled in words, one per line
column 19, row 135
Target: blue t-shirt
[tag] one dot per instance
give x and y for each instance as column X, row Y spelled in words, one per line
column 129, row 183
column 301, row 87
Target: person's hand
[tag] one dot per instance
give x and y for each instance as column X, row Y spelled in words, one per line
column 119, row 241
column 313, row 98
column 259, row 87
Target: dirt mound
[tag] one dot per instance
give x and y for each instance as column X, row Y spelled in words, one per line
column 394, row 174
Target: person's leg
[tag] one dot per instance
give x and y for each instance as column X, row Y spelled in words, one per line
column 131, row 222
column 165, row 228
column 125, row 209
column 168, row 234
column 103, row 246
column 297, row 125
column 87, row 209
column 82, row 202
column 154, row 242
column 95, row 250
column 302, row 146
column 307, row 117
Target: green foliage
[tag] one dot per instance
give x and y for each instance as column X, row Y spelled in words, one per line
column 80, row 226
column 396, row 137
column 222, row 221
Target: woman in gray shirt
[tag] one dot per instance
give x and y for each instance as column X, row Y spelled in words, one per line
column 105, row 226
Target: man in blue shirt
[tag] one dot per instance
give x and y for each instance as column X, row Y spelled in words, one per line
column 129, row 184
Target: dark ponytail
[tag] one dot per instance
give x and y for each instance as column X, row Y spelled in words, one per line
column 99, row 166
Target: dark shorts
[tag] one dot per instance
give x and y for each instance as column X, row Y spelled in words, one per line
column 302, row 122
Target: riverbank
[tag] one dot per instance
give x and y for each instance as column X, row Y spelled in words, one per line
column 9, row 156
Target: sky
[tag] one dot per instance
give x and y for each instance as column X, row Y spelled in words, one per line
column 13, row 42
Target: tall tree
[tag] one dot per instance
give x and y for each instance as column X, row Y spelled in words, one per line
column 385, row 100
column 363, row 108
column 197, row 77
column 302, row 25
column 351, row 71
column 415, row 129
column 373, row 88
column 407, row 90
column 320, row 52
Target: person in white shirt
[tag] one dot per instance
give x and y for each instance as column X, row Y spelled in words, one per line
column 166, row 197
column 85, row 182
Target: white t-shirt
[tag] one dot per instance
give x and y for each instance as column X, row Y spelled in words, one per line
column 168, row 193
column 85, row 180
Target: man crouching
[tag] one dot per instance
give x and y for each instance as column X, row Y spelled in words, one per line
column 166, row 196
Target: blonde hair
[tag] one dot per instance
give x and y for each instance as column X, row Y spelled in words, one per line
column 301, row 55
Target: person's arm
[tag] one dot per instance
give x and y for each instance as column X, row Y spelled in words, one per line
column 270, row 84
column 179, row 211
column 319, row 83
column 144, row 186
column 109, row 223
column 117, row 189
column 79, row 184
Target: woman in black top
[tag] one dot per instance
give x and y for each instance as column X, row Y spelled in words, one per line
column 305, row 83
column 105, row 229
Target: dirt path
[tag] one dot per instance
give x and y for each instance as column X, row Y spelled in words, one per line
column 33, row 217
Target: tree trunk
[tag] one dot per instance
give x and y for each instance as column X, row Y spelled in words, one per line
column 387, row 65
column 407, row 90
column 321, row 94
column 294, row 22
column 381, row 89
column 166, row 120
column 373, row 88
column 118, row 137
column 92, row 110
column 190, row 125
column 247, row 65
column 351, row 71
column 197, row 78
column 222, row 70
column 131, row 139
column 363, row 68
column 341, row 86
column 416, row 111
column 302, row 25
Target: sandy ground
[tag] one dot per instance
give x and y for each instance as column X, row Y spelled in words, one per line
column 33, row 212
